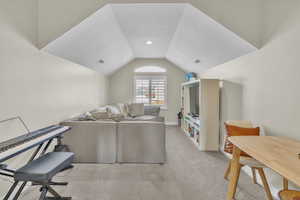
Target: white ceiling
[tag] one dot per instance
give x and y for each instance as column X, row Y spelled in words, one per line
column 117, row 33
column 155, row 22
column 200, row 37
column 98, row 37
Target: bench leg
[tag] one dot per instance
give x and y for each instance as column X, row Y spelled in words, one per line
column 53, row 192
column 19, row 191
column 56, row 195
column 51, row 183
column 44, row 191
column 11, row 189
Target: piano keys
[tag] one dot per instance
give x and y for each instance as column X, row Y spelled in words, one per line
column 18, row 145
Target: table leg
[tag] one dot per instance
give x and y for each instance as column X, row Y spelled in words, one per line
column 285, row 184
column 234, row 173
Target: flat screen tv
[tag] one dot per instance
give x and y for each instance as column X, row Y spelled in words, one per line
column 194, row 100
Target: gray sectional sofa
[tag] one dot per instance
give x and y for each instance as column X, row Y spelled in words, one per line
column 138, row 139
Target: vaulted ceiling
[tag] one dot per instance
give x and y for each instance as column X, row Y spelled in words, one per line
column 179, row 32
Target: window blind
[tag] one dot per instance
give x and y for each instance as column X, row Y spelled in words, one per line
column 150, row 90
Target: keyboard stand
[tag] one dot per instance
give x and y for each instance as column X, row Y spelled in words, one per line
column 41, row 140
column 33, row 156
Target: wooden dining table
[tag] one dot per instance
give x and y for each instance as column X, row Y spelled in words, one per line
column 278, row 153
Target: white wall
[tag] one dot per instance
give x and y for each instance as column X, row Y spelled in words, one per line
column 40, row 88
column 270, row 76
column 121, row 85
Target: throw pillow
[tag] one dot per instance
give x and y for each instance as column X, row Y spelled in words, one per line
column 115, row 113
column 113, row 110
column 100, row 109
column 152, row 110
column 123, row 109
column 86, row 117
column 136, row 109
column 100, row 113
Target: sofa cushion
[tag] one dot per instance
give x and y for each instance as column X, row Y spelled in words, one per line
column 152, row 110
column 117, row 118
column 100, row 115
column 144, row 118
column 102, row 109
column 136, row 109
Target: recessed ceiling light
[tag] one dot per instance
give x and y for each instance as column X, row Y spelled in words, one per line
column 197, row 61
column 149, row 42
column 101, row 61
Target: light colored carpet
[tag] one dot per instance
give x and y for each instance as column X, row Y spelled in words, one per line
column 188, row 175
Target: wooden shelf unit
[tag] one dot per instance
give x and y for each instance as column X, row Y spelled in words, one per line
column 203, row 131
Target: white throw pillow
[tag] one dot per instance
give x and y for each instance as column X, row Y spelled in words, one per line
column 123, row 109
column 114, row 110
column 102, row 109
column 87, row 116
column 136, row 109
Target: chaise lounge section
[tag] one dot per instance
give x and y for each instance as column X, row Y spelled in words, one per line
column 141, row 142
column 92, row 141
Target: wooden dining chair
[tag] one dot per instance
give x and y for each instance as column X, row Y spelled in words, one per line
column 245, row 128
column 289, row 195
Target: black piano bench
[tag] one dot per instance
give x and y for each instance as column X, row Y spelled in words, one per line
column 42, row 170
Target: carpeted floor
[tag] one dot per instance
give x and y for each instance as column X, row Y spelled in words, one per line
column 188, row 175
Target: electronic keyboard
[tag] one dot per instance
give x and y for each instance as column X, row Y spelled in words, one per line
column 20, row 144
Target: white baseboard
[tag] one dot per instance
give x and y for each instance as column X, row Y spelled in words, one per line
column 171, row 123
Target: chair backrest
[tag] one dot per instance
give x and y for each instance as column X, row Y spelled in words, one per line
column 239, row 128
column 246, row 124
column 240, row 123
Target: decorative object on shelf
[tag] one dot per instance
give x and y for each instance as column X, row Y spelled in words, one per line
column 179, row 116
column 191, row 76
column 191, row 127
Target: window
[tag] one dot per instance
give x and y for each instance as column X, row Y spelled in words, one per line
column 151, row 86
column 150, row 69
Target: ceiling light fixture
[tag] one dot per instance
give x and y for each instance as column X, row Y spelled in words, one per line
column 149, row 42
column 197, row 61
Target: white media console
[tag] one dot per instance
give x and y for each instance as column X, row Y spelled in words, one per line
column 202, row 130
